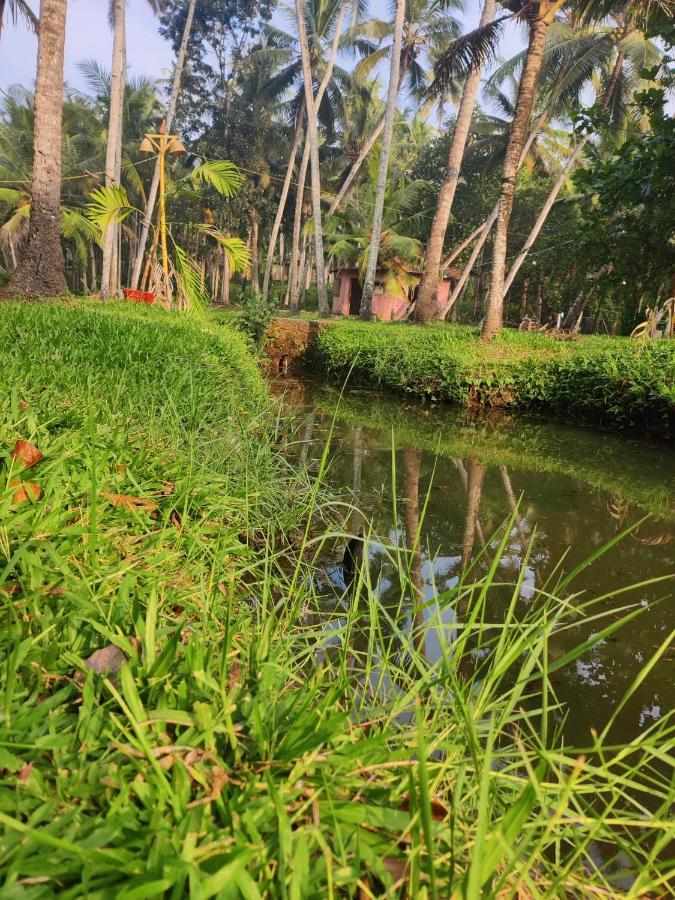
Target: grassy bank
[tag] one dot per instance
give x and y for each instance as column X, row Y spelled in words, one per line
column 242, row 733
column 611, row 381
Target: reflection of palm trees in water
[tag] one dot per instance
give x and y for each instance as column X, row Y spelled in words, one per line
column 307, row 438
column 475, row 477
column 412, row 461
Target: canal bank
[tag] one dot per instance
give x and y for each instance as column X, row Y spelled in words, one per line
column 608, row 381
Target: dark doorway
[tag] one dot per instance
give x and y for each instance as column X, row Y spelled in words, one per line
column 355, row 295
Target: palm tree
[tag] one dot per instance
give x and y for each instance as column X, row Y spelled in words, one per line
column 113, row 158
column 313, row 141
column 574, row 59
column 323, row 26
column 41, row 268
column 385, row 149
column 426, row 309
column 170, row 113
column 626, row 43
column 539, row 16
column 349, row 236
column 113, row 163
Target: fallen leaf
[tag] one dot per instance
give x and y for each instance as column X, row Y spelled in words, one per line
column 439, row 811
column 121, row 468
column 23, row 406
column 129, row 503
column 24, row 774
column 24, row 489
column 27, row 454
column 397, row 868
column 107, row 659
column 168, row 488
column 235, row 672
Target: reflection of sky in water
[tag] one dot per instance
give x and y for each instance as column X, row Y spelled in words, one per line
column 561, row 516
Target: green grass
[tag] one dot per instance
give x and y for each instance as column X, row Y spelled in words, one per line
column 264, row 739
column 612, row 381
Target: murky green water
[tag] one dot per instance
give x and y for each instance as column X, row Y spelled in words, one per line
column 461, row 476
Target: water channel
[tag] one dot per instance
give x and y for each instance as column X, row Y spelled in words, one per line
column 459, row 477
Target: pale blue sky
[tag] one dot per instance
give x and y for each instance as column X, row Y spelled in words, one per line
column 88, row 36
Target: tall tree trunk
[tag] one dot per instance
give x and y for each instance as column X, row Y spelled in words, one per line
column 541, row 16
column 540, row 299
column 483, row 231
column 170, row 113
column 41, row 269
column 313, row 138
column 523, row 298
column 426, row 307
column 562, row 178
column 575, row 310
column 296, row 267
column 255, row 272
column 113, row 162
column 297, row 137
column 385, row 149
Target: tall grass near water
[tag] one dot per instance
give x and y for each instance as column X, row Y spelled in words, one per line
column 263, row 738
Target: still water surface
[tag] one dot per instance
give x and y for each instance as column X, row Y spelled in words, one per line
column 458, row 477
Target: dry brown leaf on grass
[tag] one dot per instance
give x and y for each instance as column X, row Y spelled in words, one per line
column 24, row 490
column 439, row 811
column 27, row 454
column 128, row 502
column 235, row 672
column 107, row 660
column 24, row 774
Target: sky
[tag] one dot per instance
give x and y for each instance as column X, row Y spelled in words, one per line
column 88, row 36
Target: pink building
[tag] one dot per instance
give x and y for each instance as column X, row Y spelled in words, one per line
column 348, row 290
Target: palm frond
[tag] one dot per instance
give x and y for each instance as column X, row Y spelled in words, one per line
column 237, row 251
column 191, row 287
column 467, row 53
column 221, row 174
column 108, row 205
column 10, row 197
column 21, row 9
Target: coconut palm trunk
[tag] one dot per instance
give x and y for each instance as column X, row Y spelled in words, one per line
column 113, row 161
column 41, row 268
column 385, row 149
column 276, row 226
column 562, row 178
column 170, row 113
column 541, row 15
column 294, row 268
column 313, row 140
column 426, row 308
column 483, row 230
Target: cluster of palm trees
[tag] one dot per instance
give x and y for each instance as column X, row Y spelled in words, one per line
column 319, row 82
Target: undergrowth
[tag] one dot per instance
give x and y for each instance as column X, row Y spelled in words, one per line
column 606, row 380
column 246, row 734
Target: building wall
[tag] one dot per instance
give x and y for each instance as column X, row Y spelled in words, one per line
column 386, row 307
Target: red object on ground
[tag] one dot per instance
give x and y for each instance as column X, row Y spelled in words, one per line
column 139, row 296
